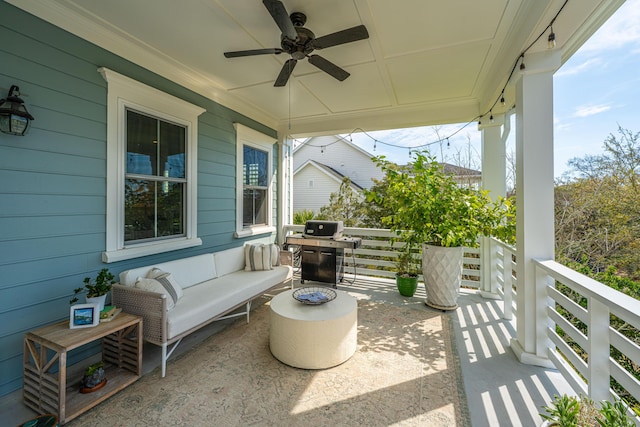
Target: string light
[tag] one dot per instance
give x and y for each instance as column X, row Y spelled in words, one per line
column 551, row 41
column 501, row 99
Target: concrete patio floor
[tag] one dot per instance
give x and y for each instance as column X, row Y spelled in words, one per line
column 500, row 391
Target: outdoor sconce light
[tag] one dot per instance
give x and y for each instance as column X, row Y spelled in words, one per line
column 14, row 117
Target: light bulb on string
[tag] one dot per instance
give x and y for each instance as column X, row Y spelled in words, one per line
column 491, row 119
column 448, row 144
column 502, row 101
column 322, row 149
column 374, row 144
column 551, row 41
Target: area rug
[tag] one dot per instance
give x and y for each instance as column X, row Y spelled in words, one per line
column 404, row 373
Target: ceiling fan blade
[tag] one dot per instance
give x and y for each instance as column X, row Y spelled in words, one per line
column 279, row 14
column 345, row 36
column 328, row 67
column 252, row 52
column 287, row 68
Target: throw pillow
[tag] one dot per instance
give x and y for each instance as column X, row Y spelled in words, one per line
column 168, row 281
column 275, row 254
column 154, row 285
column 257, row 257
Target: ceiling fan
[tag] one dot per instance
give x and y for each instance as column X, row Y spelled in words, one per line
column 299, row 42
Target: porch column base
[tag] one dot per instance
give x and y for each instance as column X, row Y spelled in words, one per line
column 489, row 295
column 529, row 358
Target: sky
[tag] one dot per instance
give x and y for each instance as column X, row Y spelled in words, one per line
column 595, row 92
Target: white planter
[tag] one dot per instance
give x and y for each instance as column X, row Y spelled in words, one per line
column 442, row 271
column 97, row 300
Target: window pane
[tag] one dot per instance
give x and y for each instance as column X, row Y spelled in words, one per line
column 139, row 210
column 172, row 150
column 254, row 207
column 171, row 209
column 142, row 140
column 255, row 167
column 142, row 219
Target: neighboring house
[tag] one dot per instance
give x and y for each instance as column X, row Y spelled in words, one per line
column 313, row 184
column 320, row 163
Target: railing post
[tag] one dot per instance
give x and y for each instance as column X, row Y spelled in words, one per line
column 599, row 371
column 507, row 283
column 488, row 269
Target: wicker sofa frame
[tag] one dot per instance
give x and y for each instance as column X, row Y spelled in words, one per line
column 152, row 307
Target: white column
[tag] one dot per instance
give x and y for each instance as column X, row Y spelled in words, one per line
column 534, row 201
column 494, row 173
column 285, row 192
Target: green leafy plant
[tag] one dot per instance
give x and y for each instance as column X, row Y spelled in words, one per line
column 101, row 286
column 406, row 263
column 571, row 411
column 91, row 369
column 428, row 206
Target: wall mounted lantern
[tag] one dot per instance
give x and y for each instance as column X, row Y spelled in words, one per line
column 14, row 117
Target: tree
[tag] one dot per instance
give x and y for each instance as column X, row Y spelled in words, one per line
column 345, row 205
column 597, row 208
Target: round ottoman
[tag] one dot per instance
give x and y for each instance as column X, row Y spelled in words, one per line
column 313, row 336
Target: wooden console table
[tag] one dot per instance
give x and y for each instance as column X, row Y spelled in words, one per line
column 58, row 392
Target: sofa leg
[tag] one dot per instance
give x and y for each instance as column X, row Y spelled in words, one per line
column 248, row 310
column 164, row 359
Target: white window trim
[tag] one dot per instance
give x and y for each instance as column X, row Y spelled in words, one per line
column 122, row 93
column 253, row 138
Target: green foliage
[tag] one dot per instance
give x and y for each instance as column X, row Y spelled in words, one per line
column 301, row 217
column 406, row 262
column 597, row 209
column 345, row 205
column 91, row 369
column 425, row 205
column 581, row 411
column 101, row 286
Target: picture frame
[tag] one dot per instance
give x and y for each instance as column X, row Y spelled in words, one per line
column 84, row 316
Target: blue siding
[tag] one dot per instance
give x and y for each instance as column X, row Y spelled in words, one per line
column 53, row 183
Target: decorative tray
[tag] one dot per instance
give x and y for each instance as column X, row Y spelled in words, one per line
column 314, row 295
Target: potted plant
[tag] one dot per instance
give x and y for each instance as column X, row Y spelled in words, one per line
column 93, row 378
column 407, row 271
column 430, row 207
column 572, row 411
column 96, row 291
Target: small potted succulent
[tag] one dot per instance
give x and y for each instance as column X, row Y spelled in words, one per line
column 94, row 378
column 572, row 411
column 96, row 291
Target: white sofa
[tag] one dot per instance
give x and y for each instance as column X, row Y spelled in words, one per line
column 213, row 285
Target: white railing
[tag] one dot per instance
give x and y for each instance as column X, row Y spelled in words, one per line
column 503, row 279
column 376, row 257
column 588, row 323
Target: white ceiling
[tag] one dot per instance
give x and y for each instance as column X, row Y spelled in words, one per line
column 426, row 62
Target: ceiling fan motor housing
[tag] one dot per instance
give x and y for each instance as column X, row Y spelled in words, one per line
column 301, row 47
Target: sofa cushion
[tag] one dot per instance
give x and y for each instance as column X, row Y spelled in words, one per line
column 275, row 254
column 187, row 271
column 154, row 285
column 212, row 298
column 257, row 257
column 167, row 281
column 229, row 260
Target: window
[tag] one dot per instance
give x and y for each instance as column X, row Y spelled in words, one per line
column 254, row 182
column 155, row 182
column 151, row 170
